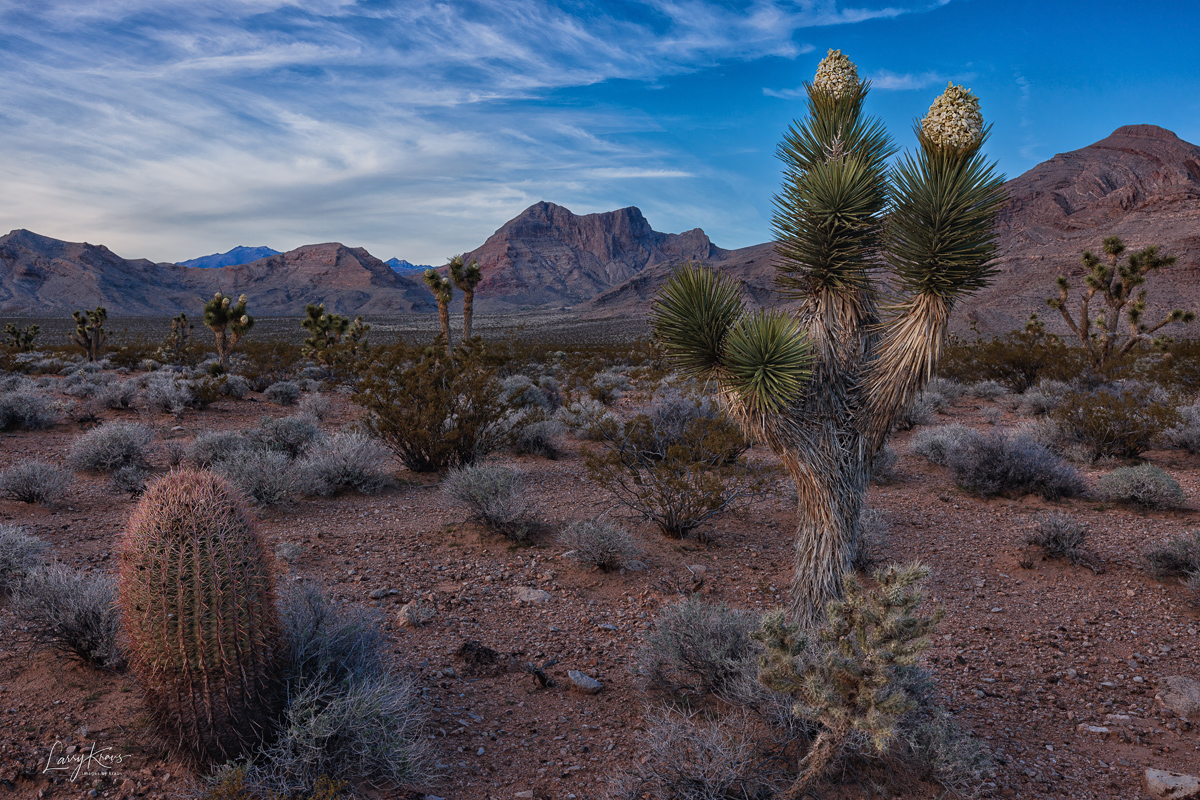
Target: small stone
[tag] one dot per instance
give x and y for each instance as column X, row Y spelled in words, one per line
column 1173, row 785
column 379, row 594
column 1098, row 730
column 528, row 793
column 128, row 785
column 1180, row 694
column 527, row 594
column 479, row 752
column 93, row 793
column 583, row 683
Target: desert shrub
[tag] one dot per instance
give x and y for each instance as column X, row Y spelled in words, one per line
column 168, row 392
column 117, row 395
column 433, row 412
column 234, row 386
column 883, row 468
column 291, row 436
column 586, row 417
column 28, row 410
column 264, row 362
column 936, row 444
column 1059, row 536
column 598, row 544
column 266, row 477
column 283, row 393
column 987, row 390
column 1121, row 420
column 919, row 411
column 854, row 675
column 1044, row 398
column 328, row 640
column 949, row 389
column 19, row 553
column 608, row 387
column 699, row 647
column 72, row 611
column 945, row 753
column 522, row 392
column 35, row 482
column 110, row 447
column 1186, row 433
column 130, row 480
column 1144, row 485
column 1015, row 360
column 215, row 447
column 539, row 437
column 869, row 540
column 314, row 406
column 680, row 483
column 1192, row 583
column 493, row 495
column 1177, row 557
column 1006, row 463
column 346, row 461
column 693, row 757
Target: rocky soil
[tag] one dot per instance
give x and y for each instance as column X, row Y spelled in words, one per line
column 1054, row 666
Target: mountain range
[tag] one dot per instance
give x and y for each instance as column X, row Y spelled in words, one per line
column 230, row 258
column 1141, row 183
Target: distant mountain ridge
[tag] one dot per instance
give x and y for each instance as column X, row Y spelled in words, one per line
column 400, row 265
column 230, row 258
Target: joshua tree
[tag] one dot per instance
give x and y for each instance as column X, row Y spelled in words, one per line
column 329, row 332
column 822, row 386
column 175, row 346
column 21, row 340
column 443, row 292
column 1115, row 282
column 89, row 331
column 466, row 279
column 229, row 322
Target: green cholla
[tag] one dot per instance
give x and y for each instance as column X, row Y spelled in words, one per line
column 199, row 617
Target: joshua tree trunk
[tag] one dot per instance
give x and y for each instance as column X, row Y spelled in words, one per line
column 443, row 292
column 468, row 312
column 444, row 318
column 823, row 386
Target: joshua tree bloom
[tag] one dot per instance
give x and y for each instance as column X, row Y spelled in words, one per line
column 954, row 120
column 836, row 75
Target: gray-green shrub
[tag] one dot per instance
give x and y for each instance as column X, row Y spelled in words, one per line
column 598, row 544
column 346, row 461
column 72, row 611
column 266, row 477
column 215, row 447
column 292, row 436
column 19, row 553
column 1177, row 557
column 698, row 647
column 935, row 444
column 1059, row 536
column 494, row 497
column 1006, row 463
column 282, row 393
column 1145, row 485
column 28, row 410
column 110, row 447
column 35, row 482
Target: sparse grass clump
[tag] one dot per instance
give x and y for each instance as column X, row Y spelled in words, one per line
column 346, row 461
column 1059, row 536
column 700, row 648
column 1011, row 464
column 1145, row 485
column 35, row 482
column 72, row 611
column 110, row 447
column 19, row 553
column 598, row 544
column 494, row 496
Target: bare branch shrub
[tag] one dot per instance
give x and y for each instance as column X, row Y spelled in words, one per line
column 1145, row 485
column 35, row 482
column 1059, row 536
column 267, row 477
column 28, row 410
column 1177, row 557
column 935, row 444
column 599, row 544
column 111, row 446
column 282, row 393
column 494, row 497
column 72, row 611
column 697, row 647
column 1005, row 463
column 347, row 461
column 19, row 553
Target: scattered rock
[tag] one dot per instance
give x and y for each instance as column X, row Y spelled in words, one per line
column 1098, row 730
column 1180, row 694
column 584, row 683
column 414, row 614
column 379, row 594
column 1171, row 785
column 697, row 572
column 527, row 594
column 528, row 793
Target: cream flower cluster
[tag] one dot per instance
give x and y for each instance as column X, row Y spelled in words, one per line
column 954, row 119
column 836, row 75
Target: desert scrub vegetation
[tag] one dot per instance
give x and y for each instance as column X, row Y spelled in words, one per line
column 292, row 437
column 283, row 393
column 537, row 436
column 1176, row 557
column 936, row 444
column 873, row 531
column 71, row 611
column 267, row 477
column 110, row 447
column 599, row 544
column 1120, row 420
column 1011, row 463
column 677, row 470
column 696, row 647
column 1144, row 485
column 26, row 409
column 19, row 553
column 493, row 496
column 1059, row 536
column 433, row 411
column 35, row 482
column 346, row 460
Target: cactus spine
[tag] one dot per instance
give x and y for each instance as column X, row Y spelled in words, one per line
column 199, row 617
column 229, row 322
column 89, row 331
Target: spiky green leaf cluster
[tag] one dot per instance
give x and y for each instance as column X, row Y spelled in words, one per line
column 222, row 311
column 700, row 320
column 89, row 330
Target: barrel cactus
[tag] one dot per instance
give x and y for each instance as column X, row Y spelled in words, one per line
column 199, row 617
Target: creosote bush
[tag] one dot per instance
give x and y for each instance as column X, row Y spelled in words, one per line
column 35, row 482
column 435, row 412
column 1006, row 463
column 19, row 553
column 699, row 648
column 1145, row 485
column 1059, row 536
column 494, row 496
column 599, row 544
column 1121, row 420
column 73, row 612
column 110, row 447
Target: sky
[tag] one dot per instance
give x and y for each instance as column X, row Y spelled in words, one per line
column 170, row 130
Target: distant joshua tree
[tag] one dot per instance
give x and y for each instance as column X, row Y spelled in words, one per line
column 89, row 331
column 229, row 322
column 443, row 292
column 823, row 386
column 1114, row 282
column 466, row 279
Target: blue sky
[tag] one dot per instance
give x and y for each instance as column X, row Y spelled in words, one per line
column 169, row 130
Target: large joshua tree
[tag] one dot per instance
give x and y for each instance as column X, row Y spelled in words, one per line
column 443, row 292
column 822, row 386
column 466, row 278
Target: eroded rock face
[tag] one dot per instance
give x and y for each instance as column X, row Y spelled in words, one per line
column 1166, row 785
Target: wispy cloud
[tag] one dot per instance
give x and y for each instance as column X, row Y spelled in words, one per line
column 168, row 128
